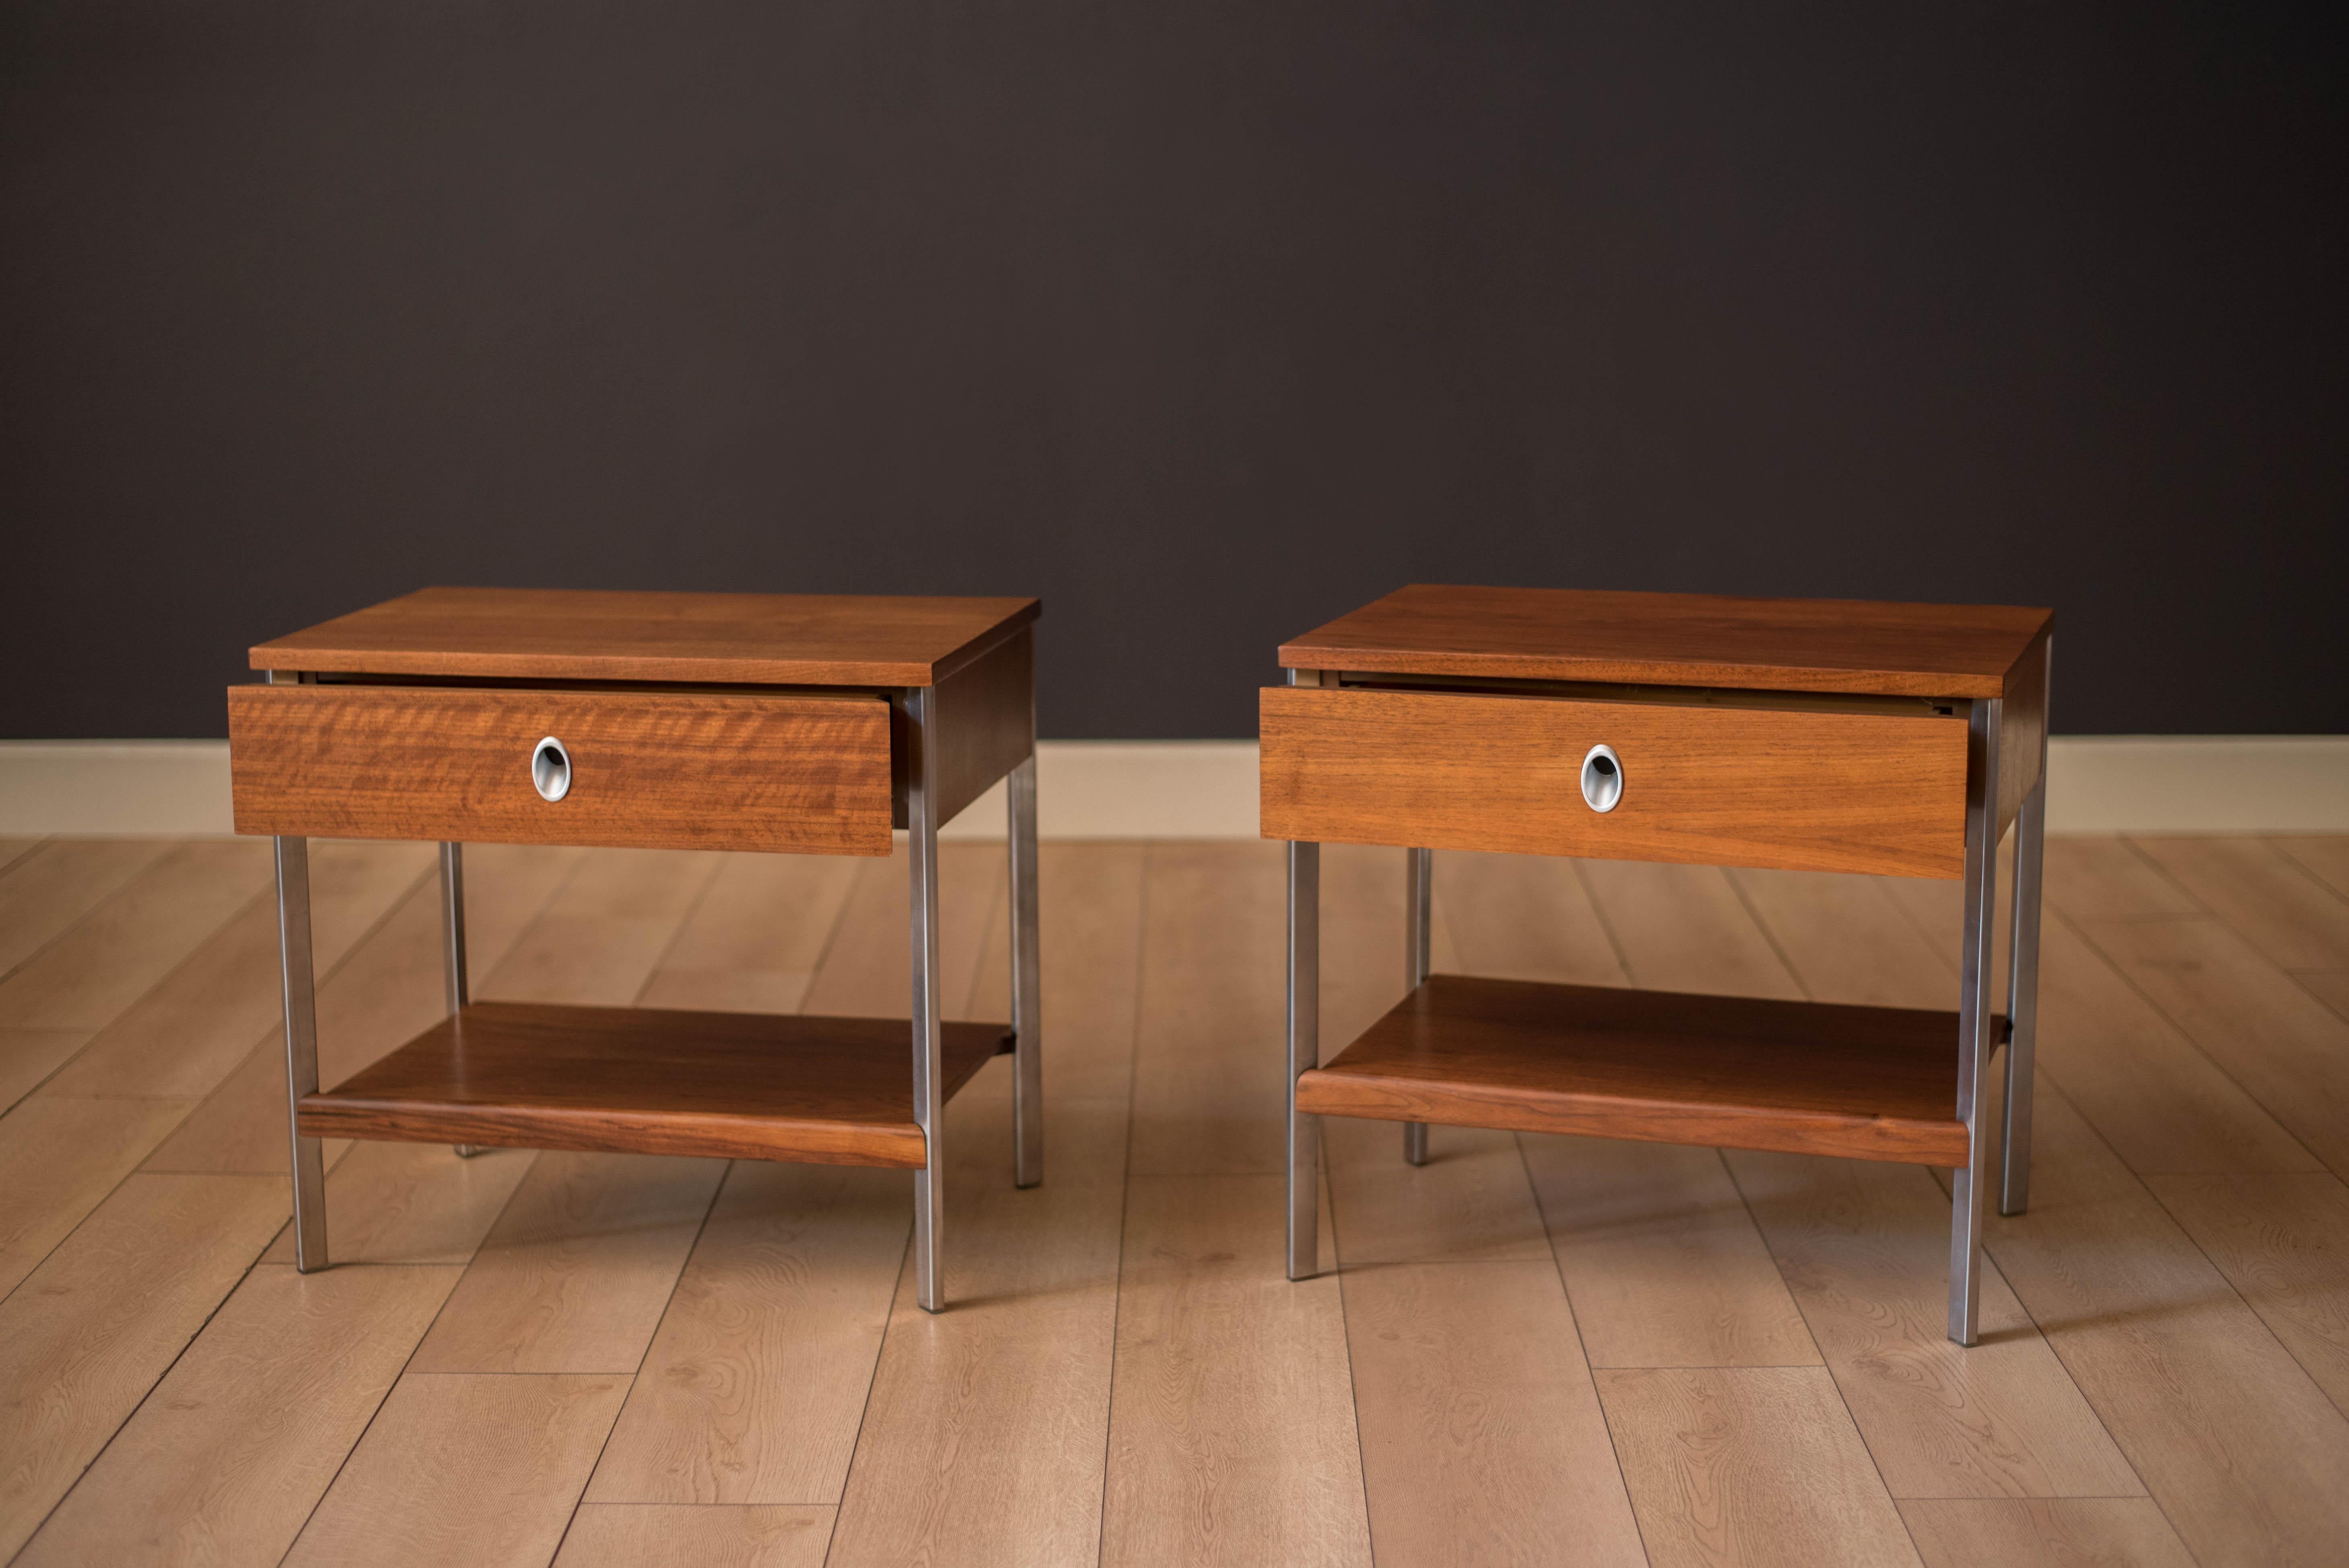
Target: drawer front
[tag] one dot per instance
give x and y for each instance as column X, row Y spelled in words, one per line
column 646, row 770
column 1713, row 786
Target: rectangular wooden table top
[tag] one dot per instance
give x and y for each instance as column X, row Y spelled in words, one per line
column 754, row 639
column 1679, row 639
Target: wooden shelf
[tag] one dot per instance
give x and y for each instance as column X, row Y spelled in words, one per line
column 1869, row 1083
column 831, row 1091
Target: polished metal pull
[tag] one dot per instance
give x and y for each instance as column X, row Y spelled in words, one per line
column 550, row 769
column 1602, row 778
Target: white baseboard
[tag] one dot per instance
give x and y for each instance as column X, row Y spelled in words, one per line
column 1207, row 788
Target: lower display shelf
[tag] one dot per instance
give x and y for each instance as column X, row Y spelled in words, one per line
column 1734, row 1072
column 752, row 1086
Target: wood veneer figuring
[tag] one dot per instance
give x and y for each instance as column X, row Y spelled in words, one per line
column 761, row 639
column 834, row 1091
column 1679, row 639
column 807, row 773
column 1737, row 1072
column 1453, row 770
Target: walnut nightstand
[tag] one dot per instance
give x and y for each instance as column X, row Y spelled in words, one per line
column 796, row 724
column 1811, row 735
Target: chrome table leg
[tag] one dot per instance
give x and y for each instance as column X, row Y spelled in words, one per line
column 301, row 1050
column 2022, row 979
column 930, row 1100
column 1304, row 1052
column 1418, row 902
column 458, row 989
column 1967, row 1188
column 1027, row 986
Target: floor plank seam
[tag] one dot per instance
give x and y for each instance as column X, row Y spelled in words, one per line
column 815, row 972
column 60, row 934
column 2079, row 930
column 1606, row 929
column 2290, row 1354
column 160, row 980
column 140, row 1403
column 1346, row 1338
column 2282, row 843
column 1126, row 1188
column 1841, row 1393
column 1582, row 1346
column 2130, row 843
column 2054, row 1343
column 1745, row 898
column 369, row 1425
column 677, row 932
column 587, row 1481
column 864, row 1411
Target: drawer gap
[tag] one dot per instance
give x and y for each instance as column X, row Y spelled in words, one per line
column 1667, row 696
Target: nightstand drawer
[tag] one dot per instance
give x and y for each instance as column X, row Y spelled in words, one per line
column 1769, row 787
column 803, row 772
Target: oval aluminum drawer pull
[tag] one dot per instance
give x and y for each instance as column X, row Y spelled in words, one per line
column 1602, row 778
column 550, row 769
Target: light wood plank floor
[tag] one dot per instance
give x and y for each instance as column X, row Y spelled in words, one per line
column 1532, row 1350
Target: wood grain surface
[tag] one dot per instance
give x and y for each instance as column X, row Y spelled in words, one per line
column 60, row 1158
column 2181, row 1265
column 190, row 1031
column 655, row 1081
column 225, row 1460
column 748, row 1535
column 91, row 1331
column 1678, row 639
column 2283, row 1242
column 574, row 1275
column 1716, row 786
column 1749, row 1465
column 102, row 962
column 1482, row 1436
column 1660, row 1258
column 768, row 639
column 649, row 769
column 754, row 1384
column 2246, row 1457
column 42, row 894
column 389, row 990
column 1232, row 1432
column 2277, row 905
column 984, row 1438
column 2044, row 1532
column 483, row 1470
column 1870, row 1083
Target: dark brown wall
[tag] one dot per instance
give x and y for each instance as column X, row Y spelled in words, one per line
column 1203, row 320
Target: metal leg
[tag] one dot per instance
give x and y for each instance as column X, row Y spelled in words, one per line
column 2022, row 979
column 930, row 1102
column 458, row 990
column 1418, row 924
column 1304, row 1052
column 1027, row 986
column 1974, row 1042
column 301, row 1050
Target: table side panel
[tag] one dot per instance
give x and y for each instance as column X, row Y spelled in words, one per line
column 2022, row 735
column 803, row 773
column 986, row 721
column 1711, row 786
